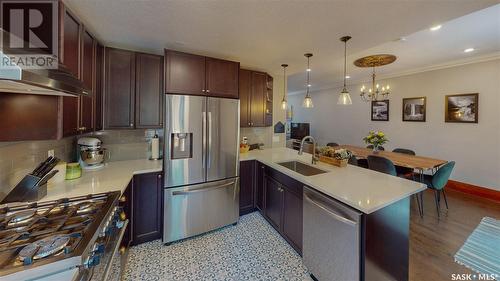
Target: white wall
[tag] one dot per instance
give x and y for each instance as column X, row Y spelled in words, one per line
column 475, row 147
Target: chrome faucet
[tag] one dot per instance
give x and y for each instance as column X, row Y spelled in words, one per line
column 313, row 160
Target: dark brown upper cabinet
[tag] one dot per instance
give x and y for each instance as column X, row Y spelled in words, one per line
column 120, row 89
column 69, row 116
column 190, row 74
column 149, row 91
column 245, row 89
column 78, row 57
column 28, row 117
column 222, row 78
column 88, row 60
column 184, row 73
column 88, row 74
column 70, row 30
column 134, row 90
column 99, row 84
column 255, row 99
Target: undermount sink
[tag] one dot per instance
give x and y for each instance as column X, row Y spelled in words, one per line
column 302, row 168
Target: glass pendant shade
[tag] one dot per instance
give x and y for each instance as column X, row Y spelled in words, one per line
column 344, row 98
column 308, row 103
column 283, row 101
column 283, row 104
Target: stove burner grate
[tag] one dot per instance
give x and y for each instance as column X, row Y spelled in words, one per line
column 43, row 248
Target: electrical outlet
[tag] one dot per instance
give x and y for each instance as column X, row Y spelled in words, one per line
column 50, row 153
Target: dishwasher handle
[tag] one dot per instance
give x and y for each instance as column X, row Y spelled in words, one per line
column 330, row 212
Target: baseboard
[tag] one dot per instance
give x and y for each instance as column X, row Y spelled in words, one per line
column 475, row 190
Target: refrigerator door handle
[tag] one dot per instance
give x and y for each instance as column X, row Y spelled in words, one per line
column 204, row 138
column 210, row 129
column 202, row 189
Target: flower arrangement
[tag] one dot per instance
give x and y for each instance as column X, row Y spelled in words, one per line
column 376, row 139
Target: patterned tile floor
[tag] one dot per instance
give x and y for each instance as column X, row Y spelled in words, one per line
column 251, row 250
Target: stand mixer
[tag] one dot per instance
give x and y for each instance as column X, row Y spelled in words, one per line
column 90, row 153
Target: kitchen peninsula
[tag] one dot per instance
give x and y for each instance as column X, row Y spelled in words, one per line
column 378, row 240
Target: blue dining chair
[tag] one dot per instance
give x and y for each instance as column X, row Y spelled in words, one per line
column 404, row 171
column 438, row 181
column 353, row 161
column 381, row 164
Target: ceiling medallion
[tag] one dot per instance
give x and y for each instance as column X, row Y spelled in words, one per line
column 373, row 61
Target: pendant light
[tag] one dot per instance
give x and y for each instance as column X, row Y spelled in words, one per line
column 344, row 96
column 307, row 99
column 283, row 101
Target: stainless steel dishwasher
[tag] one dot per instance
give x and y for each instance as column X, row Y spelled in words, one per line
column 331, row 240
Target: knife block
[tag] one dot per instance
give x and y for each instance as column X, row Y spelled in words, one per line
column 27, row 190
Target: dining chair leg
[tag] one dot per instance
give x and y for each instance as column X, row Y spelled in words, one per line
column 444, row 196
column 419, row 208
column 436, row 199
column 422, row 202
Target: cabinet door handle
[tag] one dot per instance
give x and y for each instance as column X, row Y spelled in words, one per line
column 203, row 90
column 208, row 91
column 131, row 124
column 159, row 176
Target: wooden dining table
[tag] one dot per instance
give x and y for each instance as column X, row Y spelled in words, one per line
column 419, row 163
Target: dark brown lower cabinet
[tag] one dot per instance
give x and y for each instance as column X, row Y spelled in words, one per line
column 292, row 218
column 147, row 208
column 274, row 202
column 283, row 206
column 247, row 187
column 259, row 185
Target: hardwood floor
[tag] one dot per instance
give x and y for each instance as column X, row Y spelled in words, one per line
column 434, row 242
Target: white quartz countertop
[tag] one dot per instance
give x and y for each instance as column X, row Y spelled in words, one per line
column 114, row 176
column 360, row 188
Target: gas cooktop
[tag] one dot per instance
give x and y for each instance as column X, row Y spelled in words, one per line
column 40, row 234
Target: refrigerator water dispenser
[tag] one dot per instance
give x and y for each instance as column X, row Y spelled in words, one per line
column 181, row 145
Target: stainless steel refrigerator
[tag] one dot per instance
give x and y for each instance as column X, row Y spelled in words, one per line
column 201, row 164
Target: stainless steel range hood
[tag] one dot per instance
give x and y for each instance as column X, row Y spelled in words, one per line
column 39, row 81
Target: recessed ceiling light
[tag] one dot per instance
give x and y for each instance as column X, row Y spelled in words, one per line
column 347, row 77
column 468, row 50
column 436, row 27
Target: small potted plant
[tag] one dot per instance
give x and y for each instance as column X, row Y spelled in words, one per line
column 337, row 157
column 376, row 139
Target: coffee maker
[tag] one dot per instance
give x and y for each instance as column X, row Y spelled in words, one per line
column 90, row 153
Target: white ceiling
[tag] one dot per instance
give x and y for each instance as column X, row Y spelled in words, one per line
column 264, row 34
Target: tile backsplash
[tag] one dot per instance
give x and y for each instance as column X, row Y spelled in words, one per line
column 128, row 144
column 19, row 158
